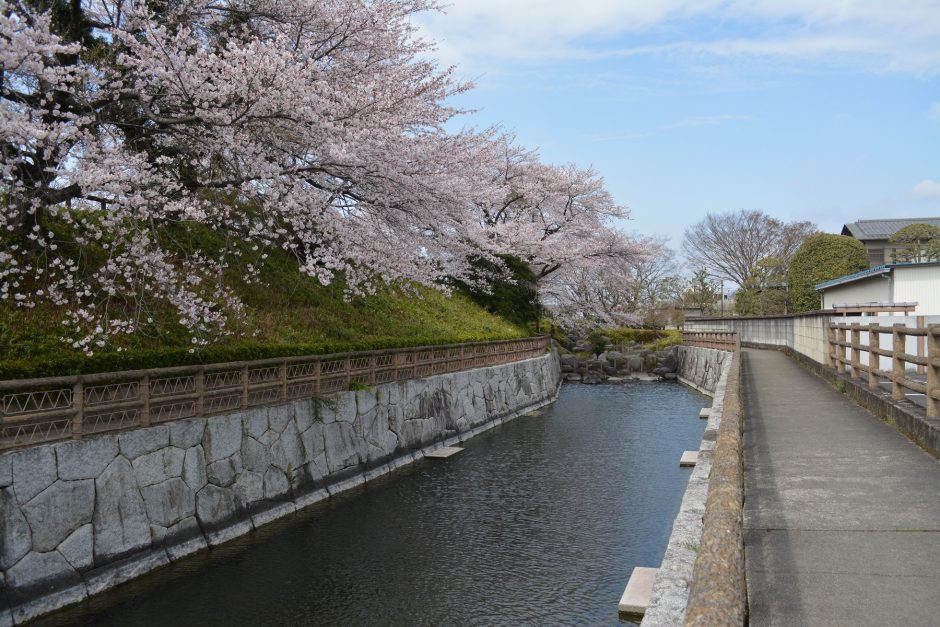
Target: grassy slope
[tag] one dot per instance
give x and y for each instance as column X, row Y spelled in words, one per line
column 287, row 313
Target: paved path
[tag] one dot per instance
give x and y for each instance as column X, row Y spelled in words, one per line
column 841, row 512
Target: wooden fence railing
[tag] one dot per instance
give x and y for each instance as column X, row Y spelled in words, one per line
column 722, row 340
column 845, row 337
column 56, row 408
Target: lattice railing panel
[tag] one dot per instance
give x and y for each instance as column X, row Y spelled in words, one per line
column 227, row 379
column 263, row 396
column 221, row 402
column 32, row 402
column 34, row 433
column 169, row 386
column 111, row 420
column 264, row 375
column 299, row 371
column 332, row 365
column 302, row 389
column 111, row 393
column 172, row 411
column 106, row 402
column 360, row 363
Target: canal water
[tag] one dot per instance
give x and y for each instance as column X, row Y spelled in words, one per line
column 538, row 522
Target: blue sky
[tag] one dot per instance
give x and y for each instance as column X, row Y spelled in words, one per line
column 823, row 110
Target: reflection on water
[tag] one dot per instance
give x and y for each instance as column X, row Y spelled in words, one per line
column 539, row 521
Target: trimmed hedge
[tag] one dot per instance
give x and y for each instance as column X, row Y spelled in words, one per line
column 73, row 364
column 822, row 257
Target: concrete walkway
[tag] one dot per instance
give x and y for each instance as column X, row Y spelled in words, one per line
column 841, row 512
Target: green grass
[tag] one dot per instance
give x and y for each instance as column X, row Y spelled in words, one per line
column 287, row 313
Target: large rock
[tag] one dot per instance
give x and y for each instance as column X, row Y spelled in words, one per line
column 15, row 539
column 6, row 470
column 221, row 473
column 159, row 466
column 77, row 548
column 635, row 364
column 186, row 434
column 34, row 470
column 255, row 455
column 223, row 437
column 194, row 468
column 255, row 423
column 340, row 444
column 169, row 502
column 216, row 506
column 59, row 510
column 41, row 573
column 669, row 362
column 249, row 486
column 279, row 416
column 142, row 441
column 288, row 452
column 120, row 519
column 85, row 459
column 276, row 485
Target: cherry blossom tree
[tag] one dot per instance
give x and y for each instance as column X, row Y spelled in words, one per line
column 313, row 127
column 316, row 127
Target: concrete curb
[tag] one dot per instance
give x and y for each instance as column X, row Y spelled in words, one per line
column 718, row 593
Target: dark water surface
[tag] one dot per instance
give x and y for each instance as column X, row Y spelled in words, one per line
column 539, row 521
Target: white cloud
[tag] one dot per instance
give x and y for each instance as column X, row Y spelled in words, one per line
column 926, row 190
column 898, row 36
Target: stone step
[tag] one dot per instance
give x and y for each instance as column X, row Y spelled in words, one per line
column 443, row 453
column 705, row 413
column 689, row 458
column 639, row 590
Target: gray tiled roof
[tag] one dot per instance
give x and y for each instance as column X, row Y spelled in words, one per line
column 883, row 229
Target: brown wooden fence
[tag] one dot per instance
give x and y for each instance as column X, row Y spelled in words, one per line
column 57, row 408
column 843, row 338
column 722, row 340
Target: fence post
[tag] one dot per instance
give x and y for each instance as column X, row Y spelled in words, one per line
column 78, row 404
column 874, row 359
column 144, row 401
column 347, row 370
column 372, row 360
column 840, row 351
column 244, row 403
column 856, row 357
column 830, row 345
column 933, row 370
column 920, row 344
column 282, row 373
column 897, row 369
column 316, row 377
column 200, row 377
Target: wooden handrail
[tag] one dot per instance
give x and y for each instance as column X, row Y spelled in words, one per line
column 837, row 345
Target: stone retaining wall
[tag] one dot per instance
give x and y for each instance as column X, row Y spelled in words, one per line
column 701, row 368
column 707, row 370
column 82, row 516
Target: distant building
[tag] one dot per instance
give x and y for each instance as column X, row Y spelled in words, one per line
column 874, row 235
column 916, row 284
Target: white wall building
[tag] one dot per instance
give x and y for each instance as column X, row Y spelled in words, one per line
column 892, row 283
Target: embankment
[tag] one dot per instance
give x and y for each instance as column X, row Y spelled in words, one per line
column 82, row 516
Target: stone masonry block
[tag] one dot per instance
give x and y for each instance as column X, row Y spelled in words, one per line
column 85, row 459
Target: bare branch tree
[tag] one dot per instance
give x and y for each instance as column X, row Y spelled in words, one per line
column 730, row 245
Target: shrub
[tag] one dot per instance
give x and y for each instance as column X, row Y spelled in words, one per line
column 822, row 257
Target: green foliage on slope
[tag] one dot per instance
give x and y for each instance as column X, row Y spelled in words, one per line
column 286, row 313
